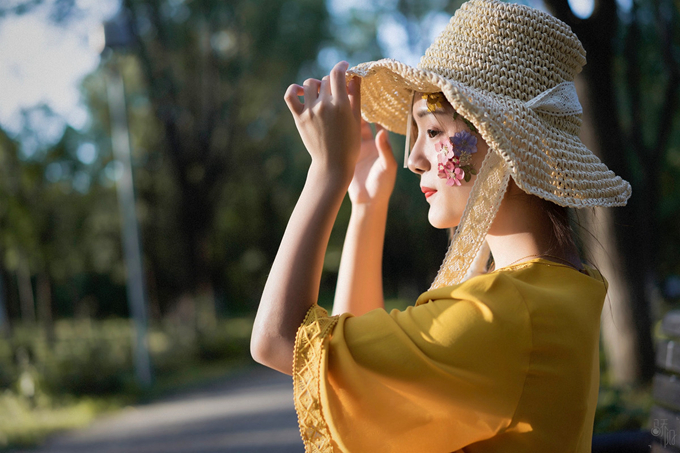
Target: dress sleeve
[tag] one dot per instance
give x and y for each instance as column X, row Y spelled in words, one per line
column 432, row 378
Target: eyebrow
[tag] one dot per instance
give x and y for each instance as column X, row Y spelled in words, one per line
column 426, row 112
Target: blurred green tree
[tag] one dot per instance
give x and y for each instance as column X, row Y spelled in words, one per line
column 55, row 226
column 214, row 73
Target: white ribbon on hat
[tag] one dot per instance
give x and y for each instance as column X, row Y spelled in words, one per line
column 409, row 122
column 560, row 100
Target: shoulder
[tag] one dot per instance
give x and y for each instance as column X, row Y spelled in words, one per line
column 464, row 329
column 477, row 315
column 525, row 281
column 485, row 289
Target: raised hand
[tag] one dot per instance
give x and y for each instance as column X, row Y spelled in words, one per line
column 329, row 123
column 375, row 170
column 329, row 119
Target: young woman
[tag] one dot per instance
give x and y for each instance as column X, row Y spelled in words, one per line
column 503, row 359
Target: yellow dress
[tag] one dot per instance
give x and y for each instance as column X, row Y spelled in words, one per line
column 504, row 362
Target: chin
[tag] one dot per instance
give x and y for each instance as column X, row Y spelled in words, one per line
column 442, row 222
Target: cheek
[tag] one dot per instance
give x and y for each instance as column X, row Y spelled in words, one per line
column 447, row 209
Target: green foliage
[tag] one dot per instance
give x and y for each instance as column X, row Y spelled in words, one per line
column 212, row 75
column 225, row 343
column 212, row 147
column 26, row 422
column 95, row 357
column 622, row 409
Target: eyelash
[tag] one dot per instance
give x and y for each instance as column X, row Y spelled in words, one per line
column 432, row 133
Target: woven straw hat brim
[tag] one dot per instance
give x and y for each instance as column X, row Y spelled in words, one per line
column 548, row 161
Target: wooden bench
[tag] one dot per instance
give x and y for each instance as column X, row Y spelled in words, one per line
column 664, row 417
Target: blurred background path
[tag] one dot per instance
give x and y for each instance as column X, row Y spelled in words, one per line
column 248, row 413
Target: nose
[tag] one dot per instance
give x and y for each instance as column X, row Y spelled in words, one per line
column 418, row 162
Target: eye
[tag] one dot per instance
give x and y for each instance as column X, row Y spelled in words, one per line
column 432, row 133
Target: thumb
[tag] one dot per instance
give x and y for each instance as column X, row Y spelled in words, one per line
column 354, row 93
column 382, row 142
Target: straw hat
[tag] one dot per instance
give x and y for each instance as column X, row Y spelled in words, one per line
column 509, row 69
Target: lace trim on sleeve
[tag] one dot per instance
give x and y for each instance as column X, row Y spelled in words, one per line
column 307, row 361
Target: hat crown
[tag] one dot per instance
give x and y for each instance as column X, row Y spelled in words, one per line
column 508, row 49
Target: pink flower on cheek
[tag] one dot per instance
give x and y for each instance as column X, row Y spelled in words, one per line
column 454, row 177
column 444, row 149
column 449, row 162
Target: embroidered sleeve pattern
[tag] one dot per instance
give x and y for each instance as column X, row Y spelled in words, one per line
column 307, row 361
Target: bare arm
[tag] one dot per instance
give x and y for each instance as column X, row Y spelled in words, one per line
column 329, row 125
column 359, row 289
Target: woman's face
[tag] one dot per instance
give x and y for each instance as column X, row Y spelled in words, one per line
column 447, row 202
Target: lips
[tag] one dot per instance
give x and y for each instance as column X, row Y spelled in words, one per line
column 428, row 191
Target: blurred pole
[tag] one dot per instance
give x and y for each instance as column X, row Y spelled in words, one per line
column 120, row 141
column 117, row 35
column 4, row 325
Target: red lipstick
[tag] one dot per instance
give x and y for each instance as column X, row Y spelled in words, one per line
column 428, row 191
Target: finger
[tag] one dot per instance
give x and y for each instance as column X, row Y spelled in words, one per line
column 292, row 100
column 311, row 88
column 338, row 82
column 366, row 132
column 354, row 91
column 325, row 87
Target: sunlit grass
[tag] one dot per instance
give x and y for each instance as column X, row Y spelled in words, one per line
column 24, row 423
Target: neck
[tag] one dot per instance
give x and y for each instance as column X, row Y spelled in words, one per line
column 523, row 231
